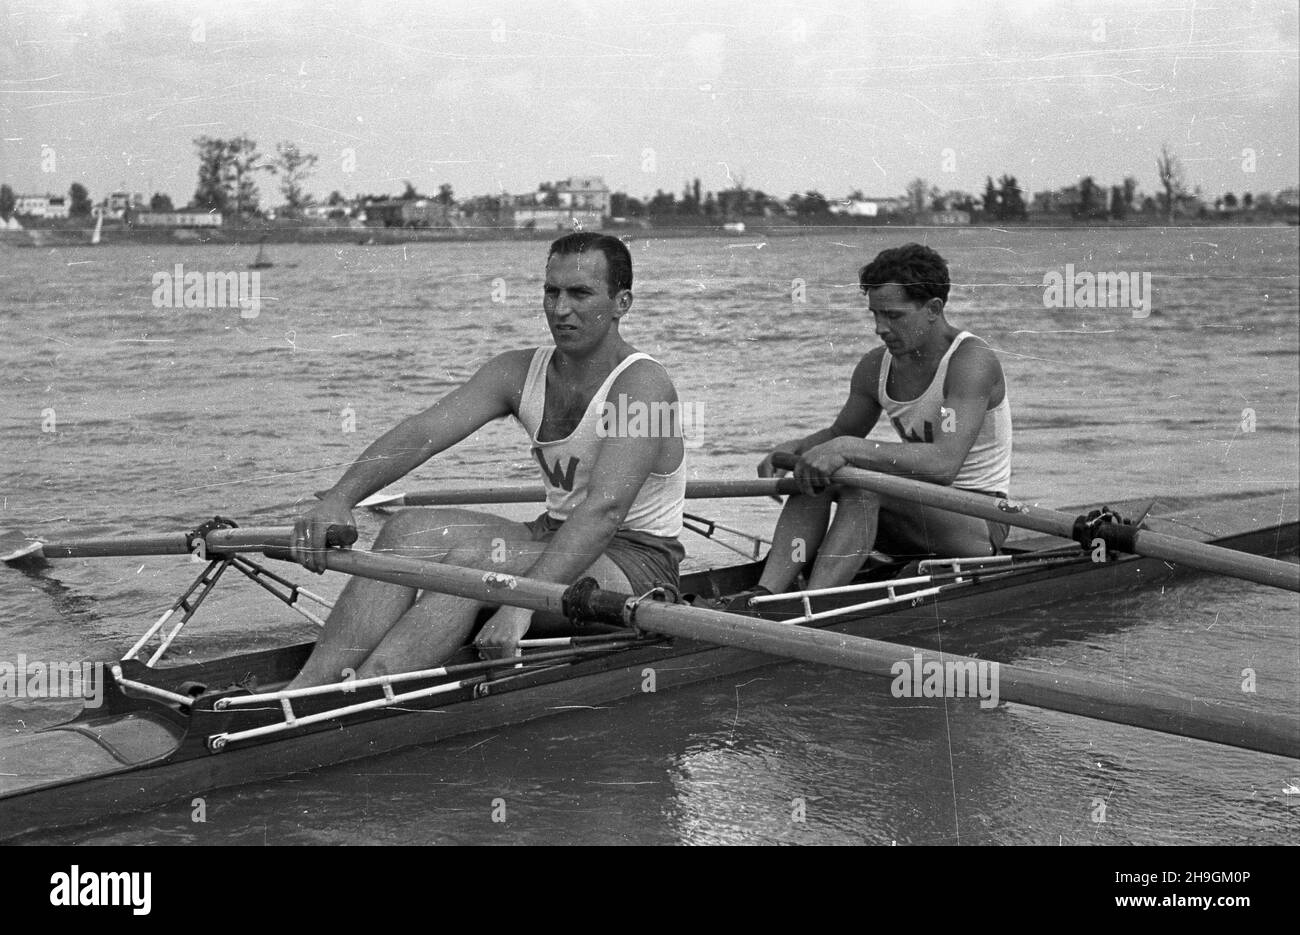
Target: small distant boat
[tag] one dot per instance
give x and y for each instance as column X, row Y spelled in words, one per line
column 734, row 227
column 261, row 262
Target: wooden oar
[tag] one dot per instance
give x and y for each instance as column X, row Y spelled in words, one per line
column 462, row 496
column 1120, row 702
column 15, row 547
column 1196, row 555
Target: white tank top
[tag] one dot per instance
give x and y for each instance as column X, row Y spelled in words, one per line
column 987, row 467
column 566, row 462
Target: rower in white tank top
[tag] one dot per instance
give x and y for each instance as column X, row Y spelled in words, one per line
column 566, row 462
column 987, row 468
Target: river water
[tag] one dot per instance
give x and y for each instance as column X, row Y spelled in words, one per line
column 161, row 417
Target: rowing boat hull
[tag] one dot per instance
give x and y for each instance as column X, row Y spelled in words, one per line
column 148, row 754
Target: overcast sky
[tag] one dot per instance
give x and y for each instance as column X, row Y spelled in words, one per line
column 786, row 97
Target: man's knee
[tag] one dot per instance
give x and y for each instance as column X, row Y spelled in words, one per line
column 853, row 501
column 498, row 554
column 437, row 529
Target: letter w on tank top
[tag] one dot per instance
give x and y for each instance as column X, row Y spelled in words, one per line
column 558, row 476
column 911, row 436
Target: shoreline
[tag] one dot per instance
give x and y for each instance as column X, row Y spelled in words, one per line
column 54, row 237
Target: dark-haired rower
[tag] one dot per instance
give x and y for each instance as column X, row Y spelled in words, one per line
column 943, row 391
column 614, row 502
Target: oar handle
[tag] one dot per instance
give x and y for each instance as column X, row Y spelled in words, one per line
column 784, row 460
column 336, row 537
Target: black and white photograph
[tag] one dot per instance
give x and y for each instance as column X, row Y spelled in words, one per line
column 596, row 422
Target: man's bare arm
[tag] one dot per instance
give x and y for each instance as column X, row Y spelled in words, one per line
column 856, row 418
column 484, row 397
column 973, row 376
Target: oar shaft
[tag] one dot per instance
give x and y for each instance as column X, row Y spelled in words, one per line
column 1218, row 560
column 168, row 544
column 750, row 487
column 695, row 490
column 1123, row 703
column 1197, row 555
column 241, row 539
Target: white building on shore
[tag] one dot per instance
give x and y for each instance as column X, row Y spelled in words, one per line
column 41, row 206
column 32, row 206
column 577, row 203
column 866, row 207
column 191, row 217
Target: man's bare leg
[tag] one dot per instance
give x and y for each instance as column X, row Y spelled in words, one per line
column 439, row 624
column 363, row 612
column 368, row 609
column 849, row 540
column 863, row 521
column 799, row 534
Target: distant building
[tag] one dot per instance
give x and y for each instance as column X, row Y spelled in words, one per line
column 41, row 206
column 536, row 217
column 118, row 204
column 854, row 208
column 1288, row 198
column 186, row 217
column 323, row 211
column 385, row 213
column 577, row 203
column 584, row 193
column 32, row 206
column 867, row 207
column 406, row 212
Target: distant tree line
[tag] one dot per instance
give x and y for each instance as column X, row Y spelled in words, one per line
column 228, row 173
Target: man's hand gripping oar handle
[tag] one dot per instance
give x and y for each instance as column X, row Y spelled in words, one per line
column 337, row 536
column 340, row 537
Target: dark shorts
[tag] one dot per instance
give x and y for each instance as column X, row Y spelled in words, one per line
column 904, row 544
column 648, row 561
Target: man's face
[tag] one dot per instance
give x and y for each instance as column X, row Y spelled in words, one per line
column 901, row 322
column 579, row 308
